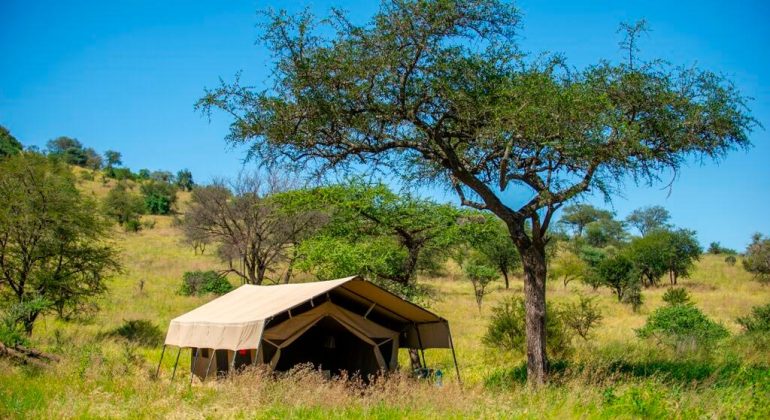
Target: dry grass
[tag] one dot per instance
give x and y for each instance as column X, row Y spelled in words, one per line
column 102, row 377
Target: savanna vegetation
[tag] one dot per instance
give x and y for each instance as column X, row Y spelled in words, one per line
column 557, row 308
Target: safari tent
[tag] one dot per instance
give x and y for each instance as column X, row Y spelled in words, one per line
column 347, row 324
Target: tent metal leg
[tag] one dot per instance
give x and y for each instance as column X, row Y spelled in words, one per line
column 173, row 374
column 162, row 353
column 454, row 355
column 212, row 355
column 419, row 341
column 194, row 362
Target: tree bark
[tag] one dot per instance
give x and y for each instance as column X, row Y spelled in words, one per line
column 505, row 277
column 533, row 262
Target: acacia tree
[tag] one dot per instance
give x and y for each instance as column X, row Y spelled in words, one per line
column 436, row 91
column 253, row 232
column 53, row 248
column 578, row 216
column 647, row 219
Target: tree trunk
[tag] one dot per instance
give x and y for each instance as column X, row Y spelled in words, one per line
column 533, row 262
column 505, row 277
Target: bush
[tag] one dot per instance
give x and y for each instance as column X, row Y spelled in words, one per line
column 159, row 197
column 199, row 283
column 507, row 329
column 139, row 331
column 677, row 296
column 12, row 331
column 757, row 321
column 148, row 223
column 582, row 316
column 757, row 258
column 133, row 225
column 123, row 206
column 683, row 328
column 731, row 260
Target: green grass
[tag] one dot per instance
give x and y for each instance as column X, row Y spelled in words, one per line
column 614, row 375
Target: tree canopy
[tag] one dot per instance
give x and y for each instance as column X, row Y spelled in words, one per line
column 8, row 143
column 438, row 91
column 53, row 247
column 647, row 219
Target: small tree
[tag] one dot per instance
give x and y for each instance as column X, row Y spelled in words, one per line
column 93, row 160
column 480, row 276
column 489, row 238
column 582, row 316
column 184, row 180
column 159, row 197
column 68, row 149
column 253, row 230
column 122, row 205
column 567, row 267
column 8, row 144
column 578, row 216
column 113, row 159
column 618, row 274
column 758, row 321
column 52, row 239
column 664, row 251
column 677, row 296
column 647, row 219
column 604, row 232
column 757, row 258
column 731, row 260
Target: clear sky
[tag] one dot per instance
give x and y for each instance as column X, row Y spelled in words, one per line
column 125, row 75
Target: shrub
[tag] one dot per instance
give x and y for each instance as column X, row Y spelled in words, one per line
column 133, row 225
column 123, row 206
column 199, row 283
column 148, row 223
column 730, row 260
column 683, row 328
column 677, row 296
column 139, row 331
column 757, row 258
column 159, row 197
column 582, row 316
column 480, row 276
column 507, row 330
column 618, row 274
column 757, row 321
column 12, row 318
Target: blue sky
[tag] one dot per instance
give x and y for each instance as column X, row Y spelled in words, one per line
column 125, row 76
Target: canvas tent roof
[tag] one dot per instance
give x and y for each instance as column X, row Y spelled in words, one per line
column 237, row 320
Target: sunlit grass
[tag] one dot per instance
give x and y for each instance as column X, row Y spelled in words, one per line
column 613, row 375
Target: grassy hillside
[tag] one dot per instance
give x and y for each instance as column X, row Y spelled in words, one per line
column 616, row 374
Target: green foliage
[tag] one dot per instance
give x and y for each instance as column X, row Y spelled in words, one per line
column 664, row 251
column 480, row 276
column 139, row 331
column 758, row 321
column 578, row 216
column 677, row 296
column 54, row 240
column 682, row 327
column 113, row 158
column 119, row 173
column 567, row 267
column 731, row 260
column 410, row 233
column 199, row 283
column 507, row 329
column 13, row 316
column 618, row 274
column 132, row 225
column 648, row 219
column 123, row 206
column 8, row 143
column 143, row 174
column 490, row 240
column 93, row 160
column 605, row 232
column 67, row 149
column 717, row 248
column 159, row 197
column 184, row 180
column 582, row 316
column 331, row 257
column 757, row 258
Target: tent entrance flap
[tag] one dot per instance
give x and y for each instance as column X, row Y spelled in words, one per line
column 329, row 345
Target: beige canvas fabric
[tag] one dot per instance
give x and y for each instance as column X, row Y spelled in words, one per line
column 236, row 320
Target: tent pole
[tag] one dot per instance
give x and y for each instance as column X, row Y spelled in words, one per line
column 194, row 362
column 173, row 374
column 419, row 341
column 232, row 364
column 454, row 356
column 212, row 355
column 162, row 352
